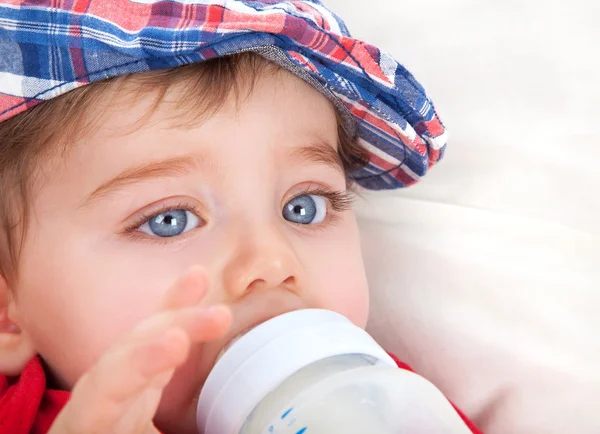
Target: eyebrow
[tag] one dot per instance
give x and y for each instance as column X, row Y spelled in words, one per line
column 172, row 167
column 319, row 152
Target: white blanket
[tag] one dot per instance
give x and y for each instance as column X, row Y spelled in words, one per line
column 486, row 276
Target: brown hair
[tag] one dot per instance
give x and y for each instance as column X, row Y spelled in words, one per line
column 48, row 128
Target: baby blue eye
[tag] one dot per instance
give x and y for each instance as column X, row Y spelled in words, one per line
column 170, row 223
column 308, row 209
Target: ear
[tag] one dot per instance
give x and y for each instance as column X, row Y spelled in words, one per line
column 16, row 349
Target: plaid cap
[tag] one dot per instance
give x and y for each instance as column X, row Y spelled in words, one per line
column 50, row 47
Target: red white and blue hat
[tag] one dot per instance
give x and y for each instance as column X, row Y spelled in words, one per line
column 49, row 47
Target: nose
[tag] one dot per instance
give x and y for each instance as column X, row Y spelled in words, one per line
column 263, row 258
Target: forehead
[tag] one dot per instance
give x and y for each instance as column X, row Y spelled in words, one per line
column 144, row 104
column 129, row 108
column 272, row 117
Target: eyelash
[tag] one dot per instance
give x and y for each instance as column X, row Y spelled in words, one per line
column 146, row 216
column 340, row 201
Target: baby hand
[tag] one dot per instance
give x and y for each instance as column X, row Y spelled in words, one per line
column 120, row 394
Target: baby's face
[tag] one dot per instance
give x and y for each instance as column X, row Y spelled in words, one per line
column 249, row 194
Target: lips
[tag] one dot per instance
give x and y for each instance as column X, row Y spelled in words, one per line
column 250, row 311
column 181, row 394
column 231, row 342
column 247, row 327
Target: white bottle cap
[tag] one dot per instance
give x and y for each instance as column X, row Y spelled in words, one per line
column 268, row 354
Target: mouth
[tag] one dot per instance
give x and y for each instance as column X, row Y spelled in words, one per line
column 184, row 389
column 232, row 341
column 246, row 326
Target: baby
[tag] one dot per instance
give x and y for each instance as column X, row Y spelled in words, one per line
column 199, row 185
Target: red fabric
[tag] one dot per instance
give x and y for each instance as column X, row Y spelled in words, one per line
column 28, row 407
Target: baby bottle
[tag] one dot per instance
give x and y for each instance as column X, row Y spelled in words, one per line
column 314, row 372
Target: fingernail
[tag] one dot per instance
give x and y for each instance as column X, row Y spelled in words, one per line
column 196, row 270
column 217, row 309
column 172, row 348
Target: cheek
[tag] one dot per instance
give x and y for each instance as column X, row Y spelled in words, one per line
column 79, row 299
column 337, row 275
